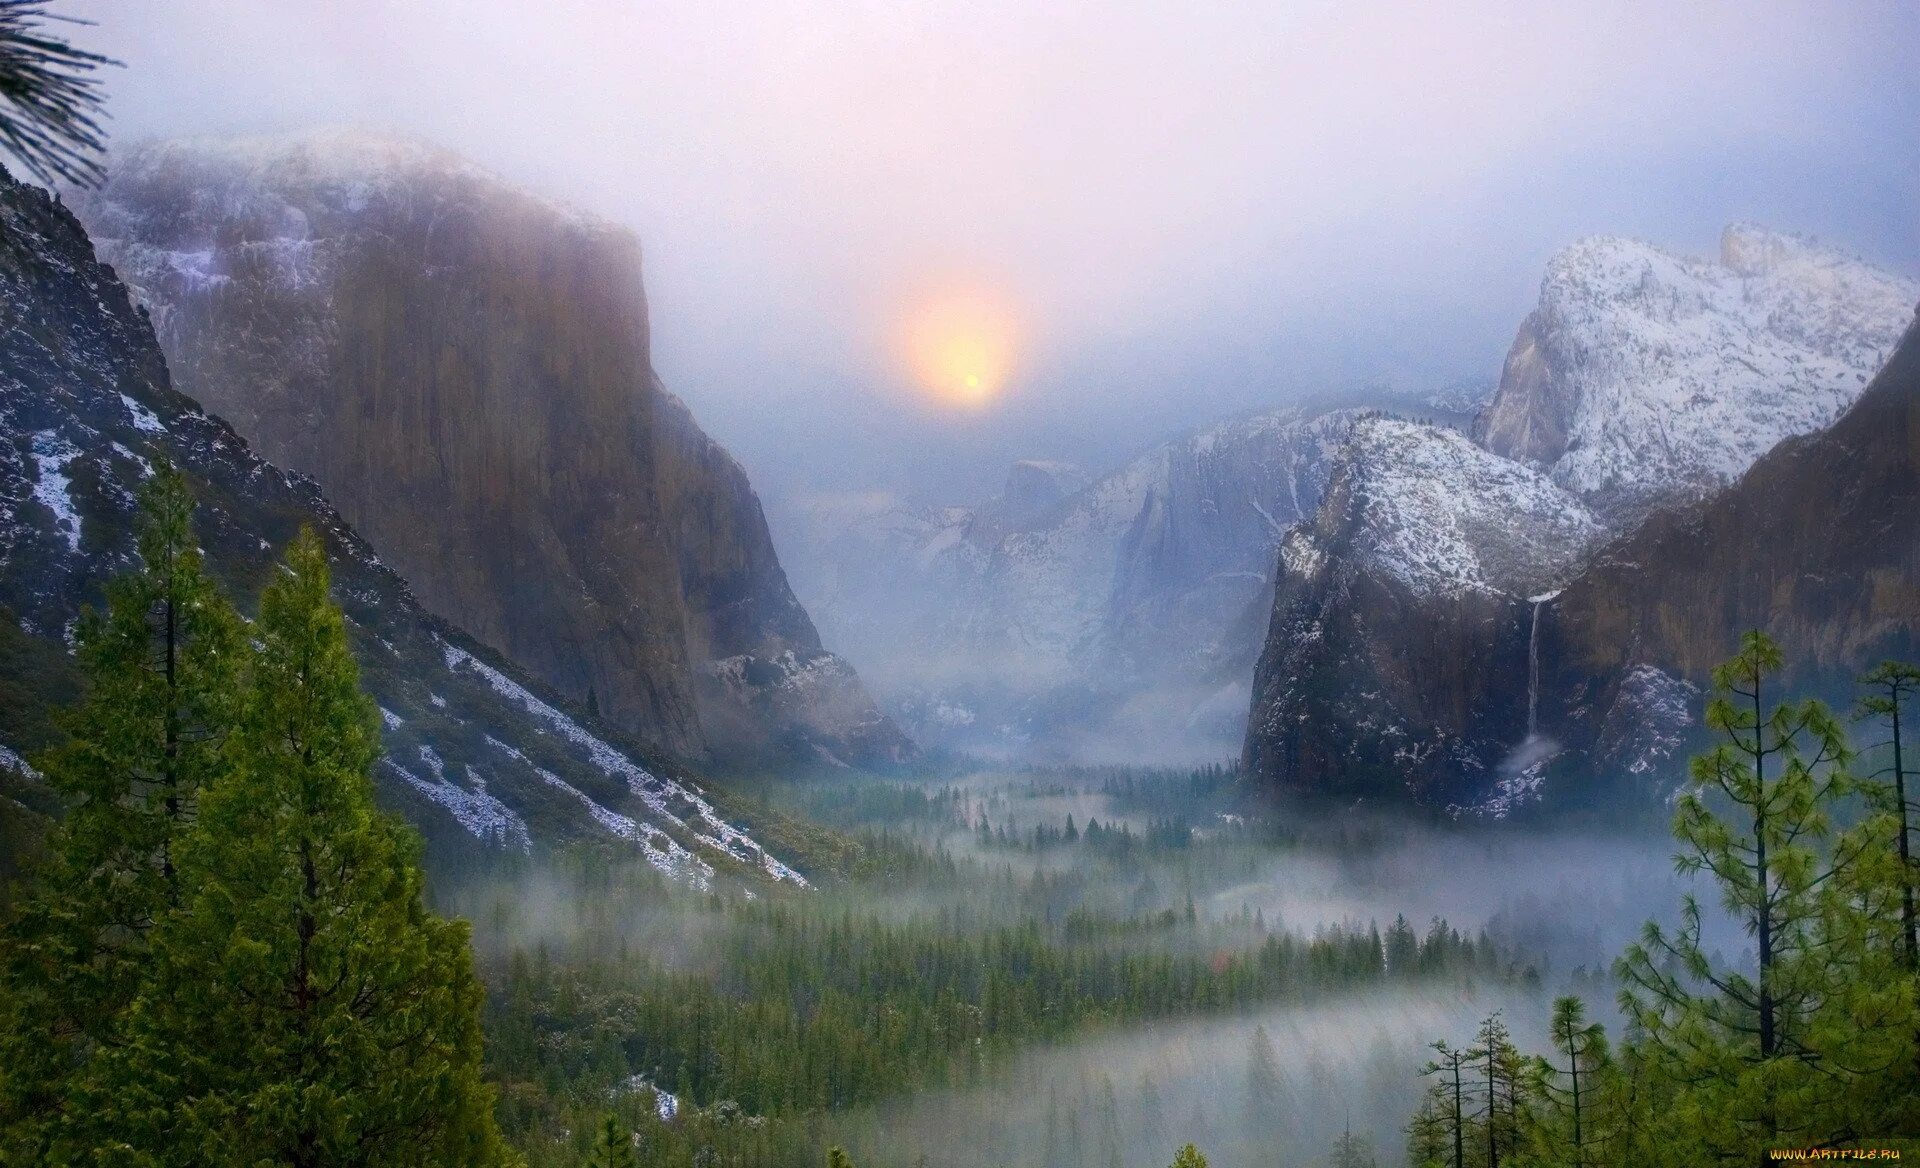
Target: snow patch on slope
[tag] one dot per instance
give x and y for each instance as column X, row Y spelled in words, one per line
column 1444, row 516
column 52, row 487
column 484, row 817
column 678, row 803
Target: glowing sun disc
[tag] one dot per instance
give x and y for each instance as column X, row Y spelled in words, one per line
column 960, row 347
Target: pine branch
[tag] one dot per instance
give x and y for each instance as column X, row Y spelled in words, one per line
column 51, row 104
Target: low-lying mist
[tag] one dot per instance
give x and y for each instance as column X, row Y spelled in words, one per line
column 1276, row 1087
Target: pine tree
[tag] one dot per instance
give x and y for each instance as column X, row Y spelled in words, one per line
column 1264, row 1104
column 1894, row 687
column 1569, row 1085
column 1445, row 1110
column 1351, row 1151
column 1499, row 1071
column 1189, row 1157
column 612, row 1146
column 162, row 669
column 1755, row 1061
column 306, row 1008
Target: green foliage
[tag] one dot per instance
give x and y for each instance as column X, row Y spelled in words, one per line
column 1892, row 688
column 1816, row 1044
column 1189, row 1157
column 837, row 1158
column 162, row 667
column 612, row 1146
column 1767, row 1052
column 227, row 959
column 794, row 1010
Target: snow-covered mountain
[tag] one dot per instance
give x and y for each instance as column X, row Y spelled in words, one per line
column 1645, row 379
column 1424, row 547
column 466, row 371
column 1415, row 618
column 478, row 754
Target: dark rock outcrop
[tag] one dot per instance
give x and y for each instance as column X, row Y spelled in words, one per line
column 1396, row 658
column 465, row 369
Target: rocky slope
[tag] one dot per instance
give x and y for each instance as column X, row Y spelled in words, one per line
column 465, row 370
column 479, row 754
column 1646, row 380
column 1376, row 679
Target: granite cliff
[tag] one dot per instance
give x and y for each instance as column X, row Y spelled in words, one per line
column 465, row 370
column 478, row 753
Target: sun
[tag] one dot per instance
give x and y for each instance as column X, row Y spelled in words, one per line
column 960, row 347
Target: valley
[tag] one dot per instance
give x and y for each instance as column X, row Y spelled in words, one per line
column 744, row 621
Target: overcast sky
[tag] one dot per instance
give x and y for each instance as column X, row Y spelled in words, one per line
column 1184, row 209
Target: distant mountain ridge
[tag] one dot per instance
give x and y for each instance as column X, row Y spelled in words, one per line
column 478, row 754
column 465, row 370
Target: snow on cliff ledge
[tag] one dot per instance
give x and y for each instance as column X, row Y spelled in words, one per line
column 1445, row 517
column 1646, row 378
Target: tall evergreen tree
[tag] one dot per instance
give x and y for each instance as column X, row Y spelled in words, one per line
column 612, row 1146
column 1264, row 1105
column 306, row 1009
column 1446, row 1105
column 1893, row 687
column 1761, row 1050
column 162, row 681
column 1351, row 1151
column 1499, row 1071
column 1569, row 1085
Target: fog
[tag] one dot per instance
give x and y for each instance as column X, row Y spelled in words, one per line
column 1136, row 1096
column 1186, row 210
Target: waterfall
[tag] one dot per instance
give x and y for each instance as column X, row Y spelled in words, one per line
column 1533, row 664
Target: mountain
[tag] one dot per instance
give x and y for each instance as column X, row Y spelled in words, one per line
column 479, row 754
column 1818, row 544
column 1420, row 644
column 1645, row 380
column 1397, row 611
column 1068, row 619
column 465, row 370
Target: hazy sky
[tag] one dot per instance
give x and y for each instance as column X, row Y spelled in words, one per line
column 1179, row 210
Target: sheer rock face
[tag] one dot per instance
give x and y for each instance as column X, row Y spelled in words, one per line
column 479, row 754
column 465, row 370
column 1396, row 611
column 1646, row 380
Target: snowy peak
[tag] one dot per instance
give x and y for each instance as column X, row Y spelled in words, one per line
column 1645, row 379
column 1443, row 516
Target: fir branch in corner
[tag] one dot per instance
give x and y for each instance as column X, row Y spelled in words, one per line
column 50, row 98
